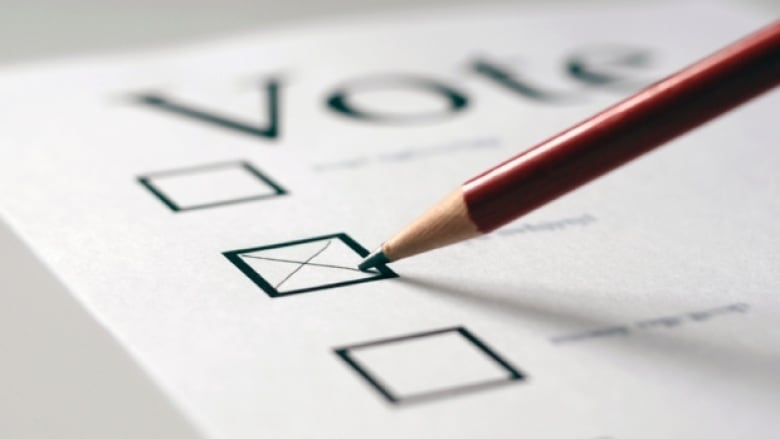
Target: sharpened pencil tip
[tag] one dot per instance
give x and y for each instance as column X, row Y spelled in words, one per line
column 376, row 258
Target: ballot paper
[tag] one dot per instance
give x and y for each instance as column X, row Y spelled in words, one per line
column 208, row 204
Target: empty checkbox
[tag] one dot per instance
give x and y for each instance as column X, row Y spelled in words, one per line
column 429, row 365
column 210, row 185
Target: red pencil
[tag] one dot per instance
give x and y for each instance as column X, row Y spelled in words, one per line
column 644, row 121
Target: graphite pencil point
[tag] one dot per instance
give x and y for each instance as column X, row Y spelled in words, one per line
column 376, row 258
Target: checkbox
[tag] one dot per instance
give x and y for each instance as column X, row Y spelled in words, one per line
column 306, row 265
column 211, row 185
column 429, row 365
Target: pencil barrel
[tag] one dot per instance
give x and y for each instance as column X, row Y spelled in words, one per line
column 638, row 124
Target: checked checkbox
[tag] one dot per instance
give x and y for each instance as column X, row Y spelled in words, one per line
column 306, row 265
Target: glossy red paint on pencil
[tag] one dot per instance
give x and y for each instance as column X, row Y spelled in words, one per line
column 626, row 130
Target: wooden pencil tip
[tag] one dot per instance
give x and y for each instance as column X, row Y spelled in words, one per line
column 376, row 258
column 445, row 223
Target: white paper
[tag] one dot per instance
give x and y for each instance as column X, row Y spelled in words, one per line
column 643, row 305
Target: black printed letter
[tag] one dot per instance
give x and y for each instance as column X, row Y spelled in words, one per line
column 339, row 100
column 514, row 82
column 608, row 66
column 270, row 131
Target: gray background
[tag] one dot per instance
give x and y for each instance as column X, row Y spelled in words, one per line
column 40, row 28
column 61, row 375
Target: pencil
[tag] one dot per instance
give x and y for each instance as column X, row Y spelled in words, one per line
column 595, row 146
